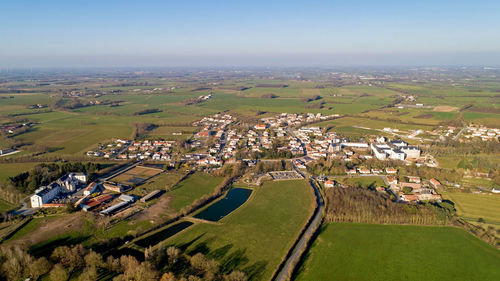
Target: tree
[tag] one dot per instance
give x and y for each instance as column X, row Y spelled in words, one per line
column 173, row 254
column 236, row 275
column 58, row 273
column 198, row 262
column 39, row 267
column 168, row 277
column 88, row 274
column 94, row 260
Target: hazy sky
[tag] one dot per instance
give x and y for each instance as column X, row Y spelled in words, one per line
column 260, row 33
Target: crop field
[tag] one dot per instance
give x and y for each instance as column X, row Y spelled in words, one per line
column 255, row 237
column 136, row 175
column 398, row 252
column 475, row 206
column 74, row 131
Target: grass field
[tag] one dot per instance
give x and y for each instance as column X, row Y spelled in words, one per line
column 395, row 252
column 192, row 188
column 363, row 181
column 11, row 169
column 4, row 206
column 255, row 237
column 474, row 206
column 163, row 181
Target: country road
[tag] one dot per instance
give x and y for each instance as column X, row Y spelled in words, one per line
column 301, row 246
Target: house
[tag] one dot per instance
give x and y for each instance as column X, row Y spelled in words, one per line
column 329, row 183
column 350, row 172
column 363, row 171
column 413, row 179
column 413, row 186
column 204, row 133
column 391, row 171
column 428, row 197
column 260, row 127
column 391, row 180
column 435, row 183
column 412, row 198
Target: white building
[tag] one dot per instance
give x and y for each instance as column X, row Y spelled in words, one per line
column 378, row 152
column 411, row 151
column 45, row 194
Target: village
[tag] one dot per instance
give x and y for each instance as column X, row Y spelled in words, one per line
column 220, row 140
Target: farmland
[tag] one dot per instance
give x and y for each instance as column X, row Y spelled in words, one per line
column 136, row 175
column 201, row 128
column 383, row 252
column 475, row 206
column 13, row 169
column 255, row 237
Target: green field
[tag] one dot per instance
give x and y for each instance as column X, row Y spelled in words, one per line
column 475, row 206
column 5, row 206
column 396, row 252
column 255, row 237
column 12, row 169
column 192, row 188
column 363, row 181
column 164, row 181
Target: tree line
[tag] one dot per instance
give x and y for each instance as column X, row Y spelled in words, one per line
column 358, row 205
column 78, row 263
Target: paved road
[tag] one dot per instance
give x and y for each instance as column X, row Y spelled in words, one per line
column 460, row 133
column 301, row 246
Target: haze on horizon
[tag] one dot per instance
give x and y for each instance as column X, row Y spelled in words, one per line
column 248, row 33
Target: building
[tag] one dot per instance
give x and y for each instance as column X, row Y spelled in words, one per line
column 379, row 153
column 411, row 151
column 91, row 188
column 435, row 183
column 44, row 195
column 114, row 187
column 391, row 180
column 391, row 171
column 413, row 179
column 6, row 151
column 412, row 198
column 396, row 154
column 260, row 127
column 329, row 183
column 355, row 144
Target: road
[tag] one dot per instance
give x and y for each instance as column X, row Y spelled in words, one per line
column 459, row 133
column 301, row 246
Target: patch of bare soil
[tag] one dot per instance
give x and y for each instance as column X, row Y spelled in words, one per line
column 445, row 108
column 158, row 211
column 52, row 227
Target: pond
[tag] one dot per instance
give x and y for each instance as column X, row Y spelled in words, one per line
column 163, row 234
column 234, row 198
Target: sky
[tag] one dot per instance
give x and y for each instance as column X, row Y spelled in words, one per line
column 248, row 33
